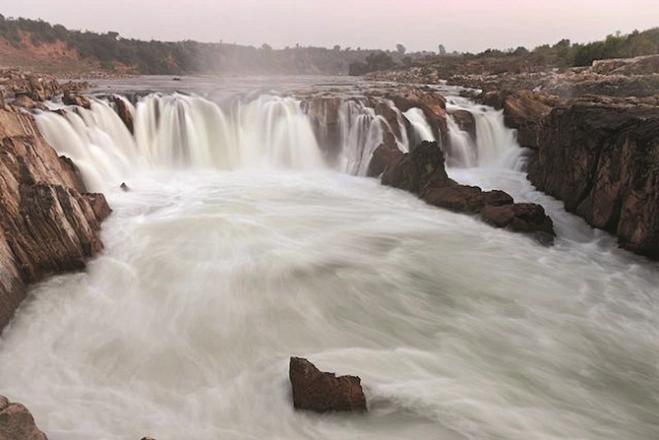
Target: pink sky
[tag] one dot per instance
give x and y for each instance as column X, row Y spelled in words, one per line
column 418, row 24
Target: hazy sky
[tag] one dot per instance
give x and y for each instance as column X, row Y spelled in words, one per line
column 419, row 24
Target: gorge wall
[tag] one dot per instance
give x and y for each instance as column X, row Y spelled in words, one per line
column 48, row 221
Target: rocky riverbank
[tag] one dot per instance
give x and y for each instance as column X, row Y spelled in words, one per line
column 49, row 223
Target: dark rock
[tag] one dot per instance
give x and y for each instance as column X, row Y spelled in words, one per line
column 16, row 422
column 528, row 218
column 322, row 392
column 525, row 111
column 464, row 199
column 383, row 158
column 418, row 169
column 600, row 156
column 124, row 187
column 124, row 113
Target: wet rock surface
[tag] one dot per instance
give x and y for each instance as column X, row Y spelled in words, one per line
column 423, row 173
column 601, row 157
column 321, row 392
column 16, row 422
column 48, row 222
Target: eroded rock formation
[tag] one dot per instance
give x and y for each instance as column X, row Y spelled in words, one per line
column 321, row 392
column 422, row 172
column 601, row 157
column 48, row 222
column 16, row 422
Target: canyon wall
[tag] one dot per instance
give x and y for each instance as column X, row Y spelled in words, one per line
column 48, row 222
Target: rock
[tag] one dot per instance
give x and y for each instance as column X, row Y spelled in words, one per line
column 124, row 112
column 321, row 392
column 466, row 122
column 465, row 199
column 528, row 218
column 525, row 111
column 383, row 158
column 16, row 422
column 76, row 100
column 600, row 156
column 48, row 223
column 323, row 112
column 25, row 102
column 124, row 187
column 417, row 169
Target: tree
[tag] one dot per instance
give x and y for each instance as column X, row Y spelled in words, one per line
column 337, row 48
column 266, row 47
column 442, row 50
column 401, row 49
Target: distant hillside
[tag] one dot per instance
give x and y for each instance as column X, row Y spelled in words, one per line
column 39, row 45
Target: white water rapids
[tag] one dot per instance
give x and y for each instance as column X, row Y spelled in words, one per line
column 237, row 248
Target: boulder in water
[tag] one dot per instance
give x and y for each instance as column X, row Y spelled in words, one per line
column 466, row 121
column 124, row 113
column 418, row 169
column 321, row 392
column 16, row 422
column 528, row 218
column 383, row 158
column 124, row 187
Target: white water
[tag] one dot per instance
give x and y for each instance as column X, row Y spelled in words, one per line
column 211, row 280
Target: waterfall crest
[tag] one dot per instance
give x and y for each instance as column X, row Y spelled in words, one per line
column 178, row 131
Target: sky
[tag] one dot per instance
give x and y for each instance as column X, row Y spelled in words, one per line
column 461, row 25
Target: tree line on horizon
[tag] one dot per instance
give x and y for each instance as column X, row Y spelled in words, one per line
column 158, row 57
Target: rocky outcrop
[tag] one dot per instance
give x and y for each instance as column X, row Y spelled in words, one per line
column 14, row 83
column 423, row 173
column 77, row 100
column 321, row 392
column 16, row 422
column 525, row 111
column 124, row 112
column 466, row 121
column 384, row 157
column 601, row 157
column 48, row 223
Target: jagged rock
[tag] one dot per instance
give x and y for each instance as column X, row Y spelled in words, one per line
column 525, row 111
column 383, row 158
column 601, row 157
column 16, row 422
column 465, row 199
column 48, row 223
column 77, row 100
column 528, row 218
column 322, row 392
column 415, row 170
column 124, row 113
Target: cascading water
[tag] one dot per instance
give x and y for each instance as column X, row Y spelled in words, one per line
column 211, row 280
column 179, row 131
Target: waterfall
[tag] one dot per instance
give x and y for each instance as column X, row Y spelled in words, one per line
column 420, row 125
column 361, row 132
column 496, row 144
column 177, row 131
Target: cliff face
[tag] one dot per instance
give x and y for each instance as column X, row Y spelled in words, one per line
column 601, row 157
column 48, row 222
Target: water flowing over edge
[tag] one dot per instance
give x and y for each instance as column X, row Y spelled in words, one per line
column 179, row 131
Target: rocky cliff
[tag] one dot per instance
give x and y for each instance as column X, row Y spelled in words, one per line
column 48, row 222
column 601, row 157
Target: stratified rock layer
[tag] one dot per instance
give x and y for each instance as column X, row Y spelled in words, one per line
column 16, row 422
column 48, row 223
column 601, row 157
column 321, row 392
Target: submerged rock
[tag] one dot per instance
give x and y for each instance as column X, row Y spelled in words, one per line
column 322, row 392
column 16, row 422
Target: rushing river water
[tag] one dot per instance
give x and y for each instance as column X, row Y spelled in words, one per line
column 212, row 278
